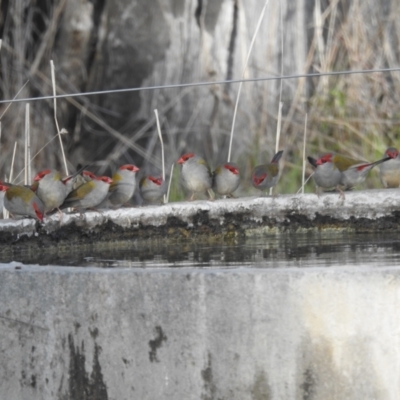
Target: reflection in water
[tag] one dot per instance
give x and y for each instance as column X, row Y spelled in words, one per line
column 300, row 250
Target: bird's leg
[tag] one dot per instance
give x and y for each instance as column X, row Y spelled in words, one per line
column 192, row 197
column 341, row 195
column 61, row 214
column 211, row 194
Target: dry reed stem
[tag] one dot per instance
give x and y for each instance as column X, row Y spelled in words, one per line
column 9, row 104
column 169, row 183
column 162, row 149
column 5, row 212
column 304, row 155
column 278, row 134
column 302, row 187
column 40, row 150
column 53, row 81
column 12, row 163
column 48, row 37
column 27, row 174
column 244, row 71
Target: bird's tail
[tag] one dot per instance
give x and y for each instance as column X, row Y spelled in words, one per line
column 312, row 161
column 277, row 157
column 371, row 165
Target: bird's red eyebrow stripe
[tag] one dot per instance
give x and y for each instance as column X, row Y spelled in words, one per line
column 233, row 169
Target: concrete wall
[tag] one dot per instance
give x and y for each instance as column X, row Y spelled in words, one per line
column 209, row 334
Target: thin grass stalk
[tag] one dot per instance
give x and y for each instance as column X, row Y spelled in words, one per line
column 162, row 149
column 9, row 105
column 305, row 183
column 40, row 150
column 27, row 174
column 12, row 163
column 53, row 81
column 278, row 127
column 279, row 124
column 281, row 87
column 304, row 156
column 278, row 134
column 169, row 183
column 244, row 71
column 6, row 214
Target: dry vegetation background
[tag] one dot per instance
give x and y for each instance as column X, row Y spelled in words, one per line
column 104, row 44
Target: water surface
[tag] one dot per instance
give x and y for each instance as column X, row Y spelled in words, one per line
column 300, row 250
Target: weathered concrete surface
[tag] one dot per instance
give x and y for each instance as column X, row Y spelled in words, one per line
column 245, row 334
column 362, row 211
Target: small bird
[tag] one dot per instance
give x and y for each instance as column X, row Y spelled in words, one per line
column 78, row 179
column 226, row 179
column 267, row 175
column 195, row 174
column 390, row 170
column 152, row 189
column 20, row 200
column 122, row 188
column 50, row 188
column 88, row 195
column 353, row 171
column 326, row 175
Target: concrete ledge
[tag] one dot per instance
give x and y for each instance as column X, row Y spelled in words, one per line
column 362, row 211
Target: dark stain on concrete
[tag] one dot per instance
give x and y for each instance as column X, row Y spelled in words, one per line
column 94, row 333
column 33, row 381
column 156, row 343
column 209, row 388
column 28, row 380
column 81, row 385
column 308, row 385
column 261, row 389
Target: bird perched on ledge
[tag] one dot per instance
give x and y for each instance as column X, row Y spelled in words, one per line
column 353, row 172
column 326, row 174
column 267, row 175
column 89, row 195
column 20, row 200
column 390, row 170
column 50, row 188
column 122, row 188
column 226, row 179
column 195, row 175
column 152, row 189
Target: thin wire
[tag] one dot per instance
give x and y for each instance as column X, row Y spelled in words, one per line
column 184, row 85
